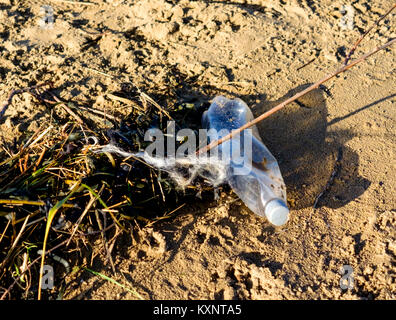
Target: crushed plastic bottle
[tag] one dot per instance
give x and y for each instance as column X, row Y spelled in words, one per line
column 261, row 186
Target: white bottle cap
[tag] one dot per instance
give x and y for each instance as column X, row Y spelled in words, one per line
column 277, row 212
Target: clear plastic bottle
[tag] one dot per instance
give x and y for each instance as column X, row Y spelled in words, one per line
column 261, row 186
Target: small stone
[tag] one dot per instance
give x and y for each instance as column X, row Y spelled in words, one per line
column 177, row 12
column 360, row 7
column 173, row 27
column 212, row 26
column 160, row 30
column 384, row 29
column 8, row 123
column 368, row 270
column 331, row 57
column 228, row 28
column 392, row 247
column 228, row 293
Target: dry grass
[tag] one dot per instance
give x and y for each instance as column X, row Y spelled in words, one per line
column 56, row 192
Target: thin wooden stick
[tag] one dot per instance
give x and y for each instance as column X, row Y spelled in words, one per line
column 87, row 208
column 294, row 98
column 28, row 267
column 17, row 91
column 351, row 52
column 29, row 202
column 14, row 243
column 154, row 103
column 67, row 109
column 8, row 223
column 101, row 113
column 84, row 3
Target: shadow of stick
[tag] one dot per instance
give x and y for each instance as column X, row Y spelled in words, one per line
column 298, row 138
column 338, row 119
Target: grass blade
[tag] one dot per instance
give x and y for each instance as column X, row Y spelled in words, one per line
column 51, row 215
column 135, row 293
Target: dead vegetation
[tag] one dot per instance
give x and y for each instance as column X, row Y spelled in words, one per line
column 58, row 195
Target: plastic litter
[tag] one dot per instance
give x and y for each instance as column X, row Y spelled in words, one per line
column 244, row 162
column 261, row 185
column 182, row 170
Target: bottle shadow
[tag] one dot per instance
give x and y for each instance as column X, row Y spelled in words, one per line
column 306, row 152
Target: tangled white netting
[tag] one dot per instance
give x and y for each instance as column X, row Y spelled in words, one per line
column 182, row 170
